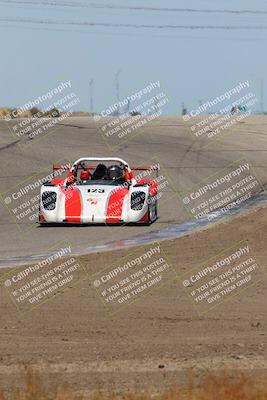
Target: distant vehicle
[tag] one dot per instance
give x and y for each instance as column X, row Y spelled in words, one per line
column 104, row 193
column 234, row 110
column 240, row 108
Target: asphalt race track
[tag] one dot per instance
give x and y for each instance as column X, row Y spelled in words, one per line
column 184, row 159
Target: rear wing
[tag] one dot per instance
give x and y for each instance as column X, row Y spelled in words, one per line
column 147, row 168
column 63, row 167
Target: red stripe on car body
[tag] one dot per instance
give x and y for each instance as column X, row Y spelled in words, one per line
column 153, row 188
column 73, row 205
column 115, row 204
column 145, row 218
column 58, row 181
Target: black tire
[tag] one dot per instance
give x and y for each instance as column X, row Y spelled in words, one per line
column 152, row 218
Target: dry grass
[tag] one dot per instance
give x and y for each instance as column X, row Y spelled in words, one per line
column 211, row 387
column 6, row 112
column 34, row 112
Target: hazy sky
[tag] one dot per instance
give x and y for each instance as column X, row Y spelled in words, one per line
column 190, row 64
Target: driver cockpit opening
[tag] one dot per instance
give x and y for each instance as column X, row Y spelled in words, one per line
column 115, row 173
column 100, row 172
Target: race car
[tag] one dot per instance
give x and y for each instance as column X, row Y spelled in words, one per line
column 106, row 192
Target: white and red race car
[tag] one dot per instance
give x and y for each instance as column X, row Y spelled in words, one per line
column 106, row 192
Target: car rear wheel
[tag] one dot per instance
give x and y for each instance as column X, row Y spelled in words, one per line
column 152, row 211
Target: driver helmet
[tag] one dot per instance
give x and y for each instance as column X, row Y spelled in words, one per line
column 115, row 172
